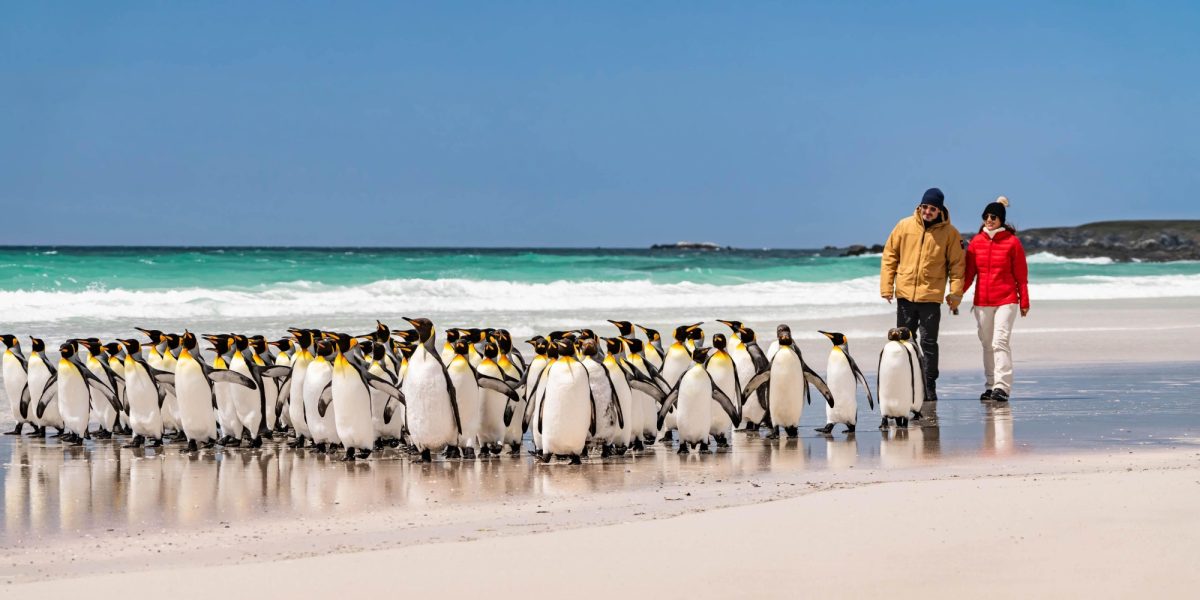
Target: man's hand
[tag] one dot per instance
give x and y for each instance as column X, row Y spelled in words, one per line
column 953, row 301
column 888, row 297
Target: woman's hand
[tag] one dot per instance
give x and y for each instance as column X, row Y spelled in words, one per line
column 1025, row 311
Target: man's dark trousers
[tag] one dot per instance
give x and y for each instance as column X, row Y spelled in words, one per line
column 923, row 318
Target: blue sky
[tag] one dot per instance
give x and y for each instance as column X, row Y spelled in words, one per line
column 601, row 124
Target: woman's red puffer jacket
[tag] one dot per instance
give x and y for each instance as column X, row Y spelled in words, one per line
column 999, row 262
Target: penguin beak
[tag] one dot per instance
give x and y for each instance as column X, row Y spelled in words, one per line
column 694, row 327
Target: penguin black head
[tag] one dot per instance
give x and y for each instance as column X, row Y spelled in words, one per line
column 566, row 348
column 406, row 350
column 734, row 326
column 683, row 332
column 10, row 340
column 613, row 345
column 284, row 344
column 635, row 345
column 133, row 346
column 382, row 331
column 539, row 344
column 188, row 340
column 588, row 348
column 904, row 333
column 259, row 343
column 699, row 355
column 746, row 335
column 893, row 334
column 784, row 334
column 304, row 337
column 407, row 335
column 37, row 344
column 325, row 347
column 93, row 346
column 368, row 347
column 587, row 334
column 67, row 350
column 503, row 340
column 719, row 341
column 451, row 336
column 344, row 342
column 155, row 335
column 625, row 328
column 378, row 351
column 173, row 340
column 461, row 348
column 424, row 328
column 556, row 335
column 696, row 335
column 474, row 335
column 835, row 337
column 219, row 341
column 651, row 334
column 491, row 351
column 112, row 348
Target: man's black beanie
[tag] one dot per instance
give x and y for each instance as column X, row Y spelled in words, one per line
column 934, row 197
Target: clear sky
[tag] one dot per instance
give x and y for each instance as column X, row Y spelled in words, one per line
column 586, row 124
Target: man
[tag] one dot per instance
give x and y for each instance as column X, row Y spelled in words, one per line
column 921, row 254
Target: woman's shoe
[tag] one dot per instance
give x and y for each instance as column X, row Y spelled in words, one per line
column 999, row 395
column 986, row 395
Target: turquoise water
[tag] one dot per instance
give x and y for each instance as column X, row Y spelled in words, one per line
column 80, row 269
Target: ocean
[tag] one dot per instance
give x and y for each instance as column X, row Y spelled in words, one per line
column 70, row 291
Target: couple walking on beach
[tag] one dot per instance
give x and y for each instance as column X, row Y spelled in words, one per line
column 925, row 252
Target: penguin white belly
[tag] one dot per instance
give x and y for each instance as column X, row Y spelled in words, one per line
column 170, row 406
column 918, row 376
column 231, row 425
column 840, row 379
column 144, row 417
column 430, row 417
column 196, row 416
column 118, row 366
column 102, row 410
column 296, row 398
column 320, row 374
column 677, row 362
column 721, row 369
column 15, row 379
column 694, row 407
column 470, row 404
column 246, row 402
column 607, row 426
column 624, row 399
column 74, row 402
column 352, row 404
column 752, row 411
column 772, row 350
column 271, row 390
column 786, row 392
column 895, row 381
column 492, row 404
column 566, row 416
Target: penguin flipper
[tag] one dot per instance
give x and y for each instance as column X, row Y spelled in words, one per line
column 496, row 385
column 25, row 401
column 815, row 380
column 667, row 405
column 756, row 382
column 858, row 374
column 324, row 399
column 912, row 374
column 649, row 389
column 616, row 401
column 389, row 409
column 229, row 376
column 50, row 393
column 453, row 399
column 508, row 414
column 592, row 400
column 274, row 371
column 726, row 403
column 385, row 386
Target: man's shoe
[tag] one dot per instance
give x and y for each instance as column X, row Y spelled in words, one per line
column 930, row 391
column 999, row 395
column 985, row 396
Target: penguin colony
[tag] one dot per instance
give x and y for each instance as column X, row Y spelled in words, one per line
column 475, row 396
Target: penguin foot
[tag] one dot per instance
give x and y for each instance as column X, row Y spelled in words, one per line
column 668, row 436
column 515, row 450
column 210, row 444
column 256, row 442
column 77, row 441
column 750, row 426
column 721, row 440
column 606, row 451
column 37, row 431
column 364, row 453
column 179, row 436
column 191, row 447
column 154, row 443
column 828, row 428
column 426, row 456
column 792, row 432
column 683, row 448
column 349, row 455
column 648, row 439
column 468, row 453
column 545, row 457
column 104, row 434
column 394, row 443
column 774, row 435
column 704, row 448
column 16, row 429
column 916, row 416
column 575, row 460
column 136, row 442
column 58, row 433
column 297, row 443
column 321, row 447
column 849, row 429
column 638, row 446
column 884, row 424
column 902, row 422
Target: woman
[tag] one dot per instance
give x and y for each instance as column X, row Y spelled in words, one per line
column 995, row 255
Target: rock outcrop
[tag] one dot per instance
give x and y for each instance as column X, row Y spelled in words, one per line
column 1118, row 240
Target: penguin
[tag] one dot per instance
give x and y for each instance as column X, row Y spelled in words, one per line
column 655, row 354
column 468, row 397
column 629, row 409
column 145, row 395
column 750, row 361
column 156, row 337
column 223, row 393
column 247, row 402
column 321, row 424
column 283, row 417
column 515, row 368
column 433, row 418
column 647, row 386
column 895, row 380
column 509, row 355
column 723, row 371
column 675, row 363
column 448, row 347
column 259, row 358
column 115, row 355
column 166, row 362
column 842, row 375
column 16, row 381
column 40, row 381
column 350, row 391
column 107, row 414
column 531, row 381
column 610, row 415
column 695, row 339
column 388, row 431
column 695, row 394
column 566, row 411
column 195, row 396
column 301, row 357
column 787, row 378
column 492, row 404
column 624, row 328
column 906, row 337
column 75, row 386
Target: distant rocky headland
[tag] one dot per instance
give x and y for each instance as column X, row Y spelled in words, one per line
column 690, row 246
column 1119, row 240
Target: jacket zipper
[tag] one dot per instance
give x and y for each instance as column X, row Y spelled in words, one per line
column 920, row 253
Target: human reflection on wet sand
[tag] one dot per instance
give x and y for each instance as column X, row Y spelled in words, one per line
column 998, row 429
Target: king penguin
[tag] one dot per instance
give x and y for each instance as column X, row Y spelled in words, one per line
column 842, row 375
column 16, row 381
column 321, row 424
column 695, row 395
column 895, row 381
column 468, row 398
column 194, row 393
column 567, row 411
column 350, row 389
column 223, row 393
column 76, row 384
column 906, row 337
column 433, row 419
column 41, row 380
column 145, row 396
column 723, row 371
column 295, row 394
column 788, row 379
